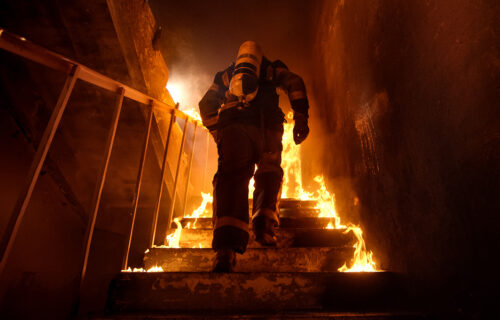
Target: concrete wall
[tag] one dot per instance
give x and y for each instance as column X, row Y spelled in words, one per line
column 406, row 98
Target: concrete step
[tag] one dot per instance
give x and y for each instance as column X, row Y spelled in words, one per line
column 290, row 208
column 202, row 238
column 294, row 208
column 285, row 222
column 206, row 292
column 254, row 259
column 296, row 203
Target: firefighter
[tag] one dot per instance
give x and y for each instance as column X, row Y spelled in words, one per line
column 241, row 111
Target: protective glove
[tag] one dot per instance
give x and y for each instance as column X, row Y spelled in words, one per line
column 300, row 129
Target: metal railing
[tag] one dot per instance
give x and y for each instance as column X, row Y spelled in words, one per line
column 75, row 71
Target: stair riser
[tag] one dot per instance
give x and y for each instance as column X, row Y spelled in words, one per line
column 285, row 222
column 289, row 208
column 202, row 238
column 254, row 260
column 179, row 292
column 290, row 212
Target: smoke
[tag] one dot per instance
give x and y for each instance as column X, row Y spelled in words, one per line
column 187, row 86
column 188, row 79
column 201, row 38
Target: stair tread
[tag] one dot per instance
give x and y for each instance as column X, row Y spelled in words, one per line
column 288, row 202
column 253, row 291
column 304, row 237
column 315, row 259
column 291, row 207
column 285, row 222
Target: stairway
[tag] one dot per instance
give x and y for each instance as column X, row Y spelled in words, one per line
column 296, row 280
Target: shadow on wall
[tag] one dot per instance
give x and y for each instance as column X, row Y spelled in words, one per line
column 407, row 98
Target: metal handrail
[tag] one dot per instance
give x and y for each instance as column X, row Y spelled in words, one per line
column 75, row 71
column 26, row 49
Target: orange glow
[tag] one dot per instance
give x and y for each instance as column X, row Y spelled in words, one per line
column 174, row 238
column 291, row 164
column 176, row 90
column 362, row 260
column 251, row 185
column 192, row 113
column 152, row 269
column 202, row 211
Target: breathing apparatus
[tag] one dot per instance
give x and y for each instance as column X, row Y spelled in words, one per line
column 244, row 83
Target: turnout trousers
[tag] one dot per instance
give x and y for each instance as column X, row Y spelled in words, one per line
column 240, row 147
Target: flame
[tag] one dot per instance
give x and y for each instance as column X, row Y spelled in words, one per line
column 155, row 269
column 362, row 260
column 192, row 113
column 188, row 85
column 201, row 211
column 291, row 164
column 325, row 202
column 179, row 91
column 174, row 238
column 251, row 185
column 176, row 90
column 152, row 269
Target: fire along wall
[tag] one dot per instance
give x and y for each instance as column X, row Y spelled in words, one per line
column 407, row 94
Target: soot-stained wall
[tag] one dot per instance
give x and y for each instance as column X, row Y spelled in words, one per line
column 407, row 100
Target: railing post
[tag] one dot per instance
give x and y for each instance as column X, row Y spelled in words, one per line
column 174, row 191
column 162, row 176
column 138, row 184
column 100, row 184
column 188, row 178
column 36, row 165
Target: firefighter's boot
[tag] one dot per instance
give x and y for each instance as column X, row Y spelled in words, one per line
column 225, row 260
column 264, row 222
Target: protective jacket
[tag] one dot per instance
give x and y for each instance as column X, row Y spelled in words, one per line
column 218, row 108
